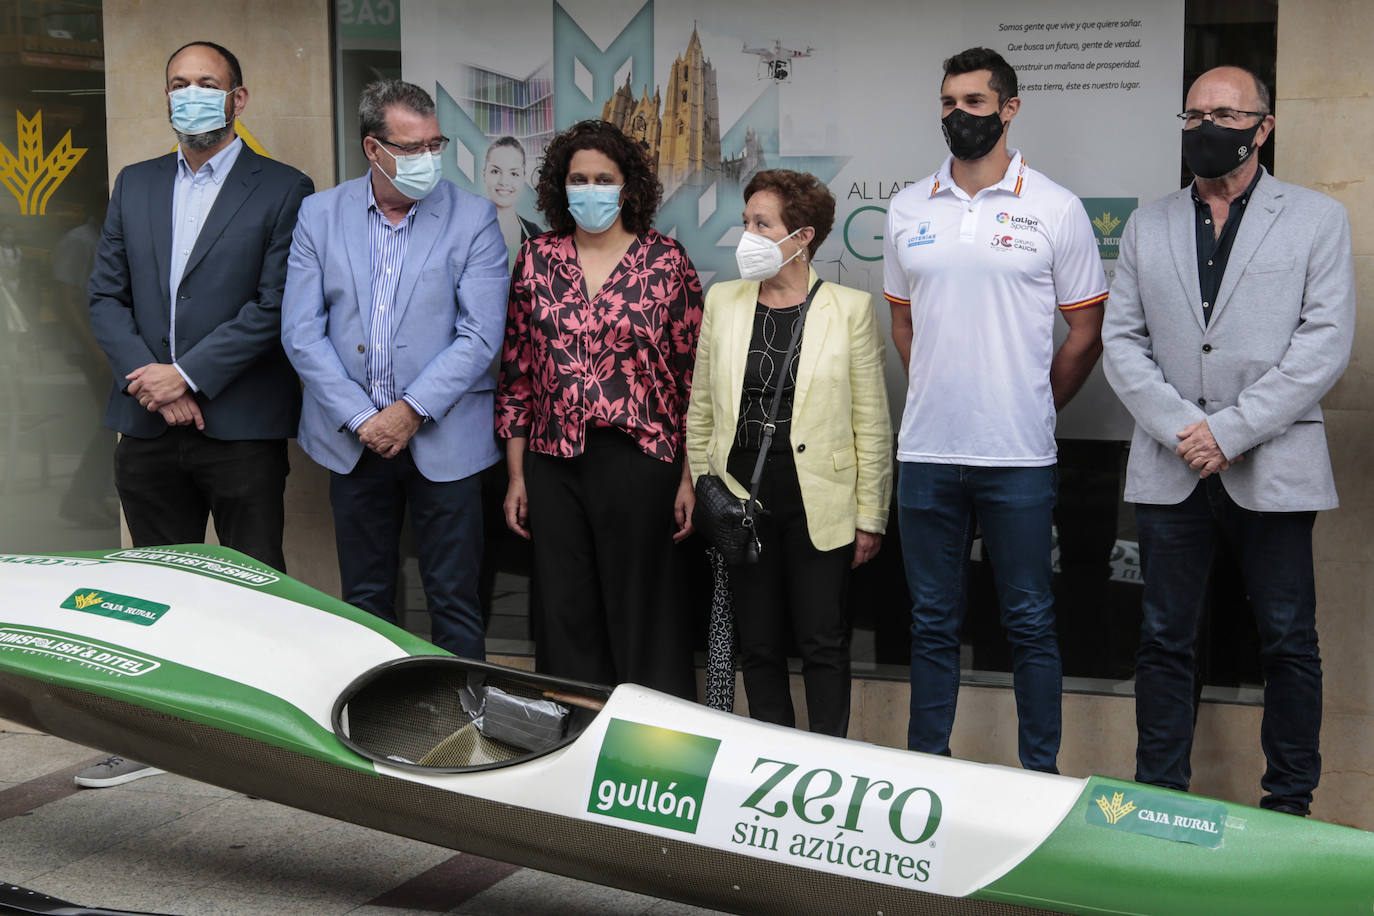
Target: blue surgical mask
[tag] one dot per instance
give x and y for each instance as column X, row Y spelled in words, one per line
column 594, row 207
column 416, row 174
column 197, row 109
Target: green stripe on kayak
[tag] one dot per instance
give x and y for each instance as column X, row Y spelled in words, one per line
column 1125, row 848
column 222, row 564
column 54, row 656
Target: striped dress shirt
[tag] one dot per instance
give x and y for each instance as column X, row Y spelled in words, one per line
column 387, row 254
column 193, row 195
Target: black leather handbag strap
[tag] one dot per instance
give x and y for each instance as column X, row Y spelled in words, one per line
column 771, row 426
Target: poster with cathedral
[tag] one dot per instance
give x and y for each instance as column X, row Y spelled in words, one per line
column 715, row 90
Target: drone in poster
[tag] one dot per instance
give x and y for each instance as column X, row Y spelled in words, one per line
column 775, row 63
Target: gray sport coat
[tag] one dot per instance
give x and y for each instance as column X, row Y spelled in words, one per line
column 1279, row 338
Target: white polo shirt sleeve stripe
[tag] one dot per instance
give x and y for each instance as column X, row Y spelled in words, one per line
column 1078, row 278
column 896, row 288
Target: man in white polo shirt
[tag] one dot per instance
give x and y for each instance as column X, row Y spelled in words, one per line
column 977, row 260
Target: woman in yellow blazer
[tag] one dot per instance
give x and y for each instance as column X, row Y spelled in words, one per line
column 828, row 475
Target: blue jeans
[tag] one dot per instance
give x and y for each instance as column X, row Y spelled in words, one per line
column 938, row 505
column 1274, row 550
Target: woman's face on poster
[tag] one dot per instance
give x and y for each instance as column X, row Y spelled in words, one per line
column 503, row 175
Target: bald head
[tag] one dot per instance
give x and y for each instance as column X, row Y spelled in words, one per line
column 1228, row 87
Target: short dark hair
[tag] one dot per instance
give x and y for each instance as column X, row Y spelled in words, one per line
column 378, row 96
column 235, row 71
column 806, row 201
column 642, row 192
column 1003, row 80
column 500, row 142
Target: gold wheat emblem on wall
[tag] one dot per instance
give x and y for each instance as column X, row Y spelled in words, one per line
column 32, row 176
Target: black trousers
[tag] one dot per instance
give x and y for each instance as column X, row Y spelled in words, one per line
column 170, row 485
column 794, row 590
column 369, row 506
column 601, row 527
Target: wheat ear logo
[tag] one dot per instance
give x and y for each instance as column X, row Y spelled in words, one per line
column 84, row 601
column 1106, row 223
column 1115, row 810
column 31, row 176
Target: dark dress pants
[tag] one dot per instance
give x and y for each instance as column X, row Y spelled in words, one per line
column 369, row 506
column 1274, row 550
column 170, row 485
column 793, row 591
column 601, row 531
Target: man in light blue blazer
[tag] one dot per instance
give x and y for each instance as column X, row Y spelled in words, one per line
column 1232, row 314
column 394, row 308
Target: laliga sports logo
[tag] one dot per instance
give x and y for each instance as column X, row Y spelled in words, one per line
column 1115, row 810
column 1003, row 216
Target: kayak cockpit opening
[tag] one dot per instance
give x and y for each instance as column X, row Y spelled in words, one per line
column 444, row 714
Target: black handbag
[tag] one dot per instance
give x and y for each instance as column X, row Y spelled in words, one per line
column 725, row 520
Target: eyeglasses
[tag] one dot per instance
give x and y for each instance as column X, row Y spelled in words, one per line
column 433, row 146
column 1221, row 117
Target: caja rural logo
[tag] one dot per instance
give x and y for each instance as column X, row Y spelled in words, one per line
column 1159, row 814
column 1108, row 216
column 652, row 775
column 118, row 607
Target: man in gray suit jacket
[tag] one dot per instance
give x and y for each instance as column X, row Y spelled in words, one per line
column 395, row 306
column 1232, row 314
column 185, row 298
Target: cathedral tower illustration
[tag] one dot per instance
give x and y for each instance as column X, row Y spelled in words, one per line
column 637, row 119
column 689, row 148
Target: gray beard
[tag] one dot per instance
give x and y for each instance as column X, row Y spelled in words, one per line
column 199, row 143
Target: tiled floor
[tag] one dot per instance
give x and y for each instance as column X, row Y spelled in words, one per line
column 167, row 844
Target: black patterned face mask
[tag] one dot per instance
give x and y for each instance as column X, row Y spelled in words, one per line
column 1212, row 151
column 971, row 136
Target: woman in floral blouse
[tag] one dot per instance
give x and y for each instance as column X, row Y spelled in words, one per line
column 601, row 337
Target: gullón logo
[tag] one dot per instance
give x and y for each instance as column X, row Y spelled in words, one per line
column 1159, row 814
column 652, row 775
column 119, row 607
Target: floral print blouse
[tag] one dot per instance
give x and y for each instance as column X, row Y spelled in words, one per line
column 622, row 360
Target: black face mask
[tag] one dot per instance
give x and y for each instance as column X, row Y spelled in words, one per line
column 971, row 136
column 1212, row 151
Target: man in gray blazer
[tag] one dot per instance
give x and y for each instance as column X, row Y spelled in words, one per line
column 1232, row 314
column 395, row 305
column 185, row 297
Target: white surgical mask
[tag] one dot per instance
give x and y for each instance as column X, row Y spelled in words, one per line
column 759, row 257
column 416, row 174
column 594, row 207
column 197, row 109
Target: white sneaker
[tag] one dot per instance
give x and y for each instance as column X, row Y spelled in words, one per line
column 114, row 771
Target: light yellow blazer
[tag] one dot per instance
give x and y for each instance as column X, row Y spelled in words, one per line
column 841, row 430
